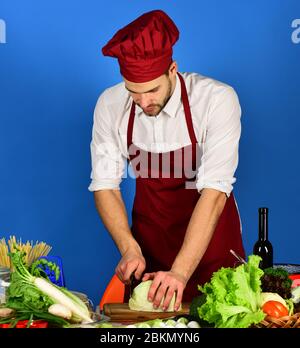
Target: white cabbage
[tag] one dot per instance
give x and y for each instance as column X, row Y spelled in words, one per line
column 139, row 299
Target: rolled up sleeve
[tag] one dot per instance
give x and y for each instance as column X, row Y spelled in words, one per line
column 107, row 161
column 220, row 148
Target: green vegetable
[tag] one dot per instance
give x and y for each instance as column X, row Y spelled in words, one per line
column 23, row 295
column 277, row 280
column 171, row 322
column 27, row 314
column 155, row 323
column 139, row 300
column 195, row 304
column 38, row 268
column 37, row 294
column 183, row 320
column 290, row 306
column 296, row 295
column 104, row 326
column 143, row 326
column 233, row 296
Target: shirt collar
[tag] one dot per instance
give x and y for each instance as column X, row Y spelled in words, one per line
column 172, row 105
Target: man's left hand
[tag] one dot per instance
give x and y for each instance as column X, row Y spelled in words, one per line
column 164, row 285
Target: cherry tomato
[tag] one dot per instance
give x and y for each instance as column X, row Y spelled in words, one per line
column 275, row 309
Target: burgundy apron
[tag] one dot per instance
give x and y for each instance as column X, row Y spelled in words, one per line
column 163, row 207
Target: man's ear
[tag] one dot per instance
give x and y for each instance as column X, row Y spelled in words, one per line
column 173, row 68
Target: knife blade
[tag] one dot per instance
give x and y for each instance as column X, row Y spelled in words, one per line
column 131, row 284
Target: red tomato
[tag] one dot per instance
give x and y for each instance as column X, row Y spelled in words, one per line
column 35, row 324
column 39, row 324
column 4, row 326
column 275, row 309
column 22, row 324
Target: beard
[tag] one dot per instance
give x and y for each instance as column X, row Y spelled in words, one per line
column 155, row 109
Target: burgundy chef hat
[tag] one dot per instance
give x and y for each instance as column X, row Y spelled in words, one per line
column 144, row 46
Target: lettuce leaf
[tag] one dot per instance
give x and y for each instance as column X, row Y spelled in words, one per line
column 24, row 296
column 233, row 296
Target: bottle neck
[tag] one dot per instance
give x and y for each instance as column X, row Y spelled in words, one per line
column 263, row 225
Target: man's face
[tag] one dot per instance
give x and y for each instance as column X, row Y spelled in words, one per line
column 151, row 96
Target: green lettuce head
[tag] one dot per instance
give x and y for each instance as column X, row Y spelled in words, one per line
column 233, row 296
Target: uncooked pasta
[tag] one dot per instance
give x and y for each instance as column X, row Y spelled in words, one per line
column 32, row 251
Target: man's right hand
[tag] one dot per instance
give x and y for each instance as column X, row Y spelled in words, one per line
column 132, row 261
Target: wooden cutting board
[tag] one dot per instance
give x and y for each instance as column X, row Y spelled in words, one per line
column 121, row 312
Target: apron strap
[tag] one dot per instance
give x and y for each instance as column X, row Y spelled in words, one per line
column 187, row 110
column 130, row 125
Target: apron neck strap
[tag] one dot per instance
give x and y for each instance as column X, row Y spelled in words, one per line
column 187, row 112
column 130, row 125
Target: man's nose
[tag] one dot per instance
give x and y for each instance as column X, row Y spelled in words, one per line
column 143, row 100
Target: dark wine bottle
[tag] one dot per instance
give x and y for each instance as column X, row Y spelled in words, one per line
column 263, row 246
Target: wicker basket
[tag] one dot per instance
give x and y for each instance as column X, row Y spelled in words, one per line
column 292, row 321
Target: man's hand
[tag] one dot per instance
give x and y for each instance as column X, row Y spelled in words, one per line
column 132, row 261
column 164, row 285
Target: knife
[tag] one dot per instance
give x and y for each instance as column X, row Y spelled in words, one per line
column 131, row 284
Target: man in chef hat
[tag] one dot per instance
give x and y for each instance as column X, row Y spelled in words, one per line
column 180, row 233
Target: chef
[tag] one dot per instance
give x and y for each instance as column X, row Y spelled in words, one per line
column 180, row 134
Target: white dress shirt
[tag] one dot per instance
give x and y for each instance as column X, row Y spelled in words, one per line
column 216, row 117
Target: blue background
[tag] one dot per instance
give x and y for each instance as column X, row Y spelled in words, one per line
column 51, row 74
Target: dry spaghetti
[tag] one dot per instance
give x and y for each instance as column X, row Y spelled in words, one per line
column 32, row 251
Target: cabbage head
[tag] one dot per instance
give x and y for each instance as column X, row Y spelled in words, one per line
column 139, row 299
